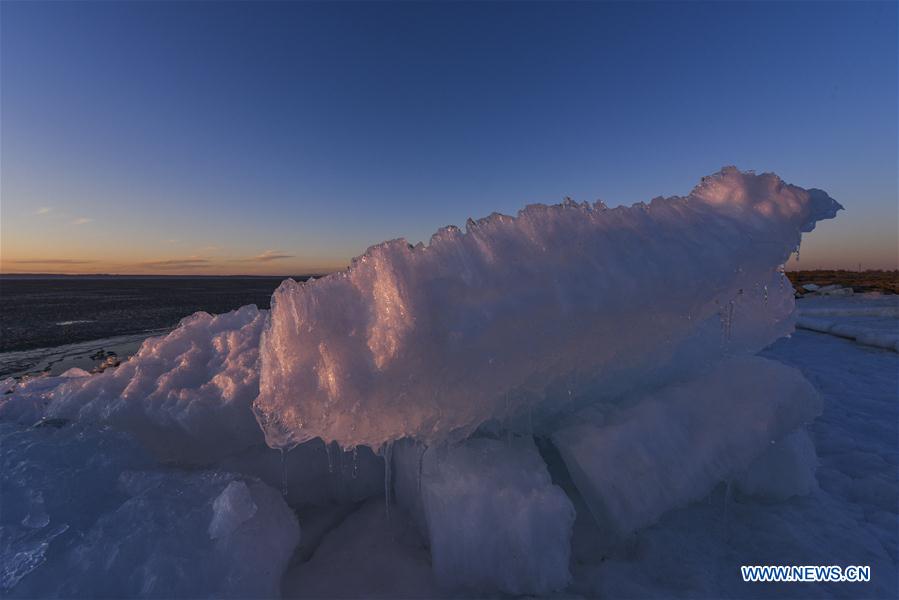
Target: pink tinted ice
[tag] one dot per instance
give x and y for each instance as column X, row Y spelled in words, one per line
column 532, row 315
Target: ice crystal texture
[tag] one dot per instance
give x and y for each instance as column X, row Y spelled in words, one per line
column 530, row 314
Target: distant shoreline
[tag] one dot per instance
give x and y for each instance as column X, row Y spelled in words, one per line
column 872, row 280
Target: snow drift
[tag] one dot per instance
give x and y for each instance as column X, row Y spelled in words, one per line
column 531, row 314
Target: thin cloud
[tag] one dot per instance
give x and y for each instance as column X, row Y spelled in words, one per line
column 175, row 263
column 267, row 256
column 44, row 210
column 81, row 221
column 54, row 261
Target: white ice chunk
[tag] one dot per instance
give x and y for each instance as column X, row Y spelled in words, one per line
column 833, row 289
column 494, row 520
column 673, row 446
column 531, row 313
column 233, row 507
column 75, row 372
column 785, row 469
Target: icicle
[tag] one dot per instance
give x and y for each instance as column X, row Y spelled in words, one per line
column 421, row 462
column 765, row 291
column 283, row 473
column 330, row 459
column 339, row 452
column 387, row 451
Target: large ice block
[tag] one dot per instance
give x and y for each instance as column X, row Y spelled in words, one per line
column 672, row 446
column 531, row 314
column 493, row 518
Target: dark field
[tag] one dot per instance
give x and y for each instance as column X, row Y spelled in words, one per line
column 45, row 312
column 859, row 281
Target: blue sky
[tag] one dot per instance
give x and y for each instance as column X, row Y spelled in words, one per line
column 213, row 137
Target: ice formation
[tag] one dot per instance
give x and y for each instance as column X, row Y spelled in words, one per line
column 531, row 313
column 187, row 396
column 625, row 336
column 672, row 446
column 479, row 500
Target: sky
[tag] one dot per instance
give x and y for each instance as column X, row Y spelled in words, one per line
column 285, row 138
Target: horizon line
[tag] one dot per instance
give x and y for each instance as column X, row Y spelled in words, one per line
column 165, row 275
column 323, row 273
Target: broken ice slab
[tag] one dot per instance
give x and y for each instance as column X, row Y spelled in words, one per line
column 493, row 518
column 672, row 447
